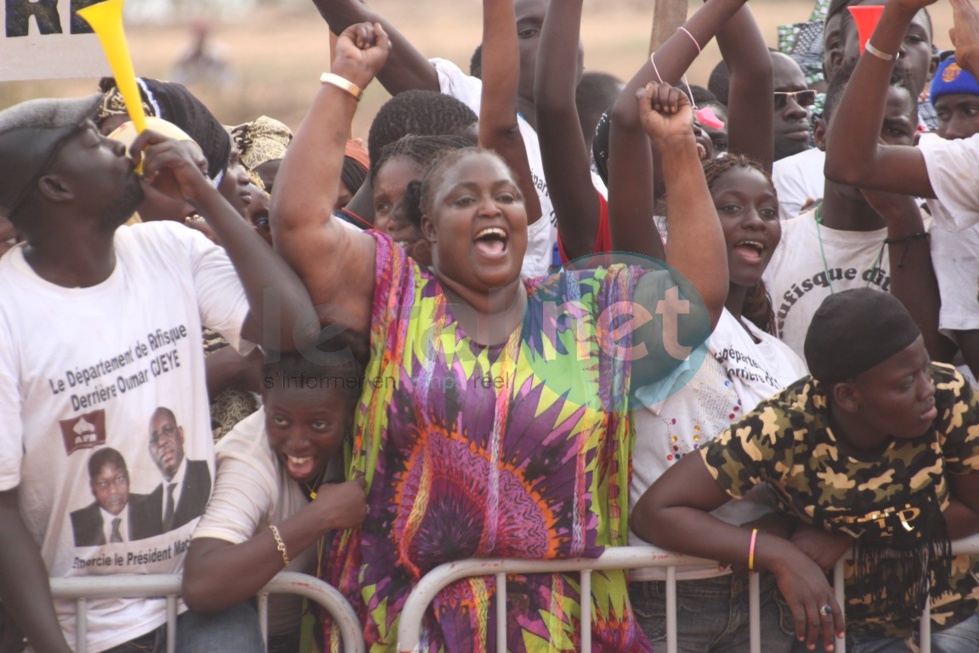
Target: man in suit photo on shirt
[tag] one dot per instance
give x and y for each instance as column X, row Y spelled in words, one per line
column 187, row 483
column 115, row 515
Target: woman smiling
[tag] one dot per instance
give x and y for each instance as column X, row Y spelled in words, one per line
column 501, row 425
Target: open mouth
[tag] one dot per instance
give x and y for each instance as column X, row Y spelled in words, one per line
column 300, row 467
column 753, row 250
column 492, row 241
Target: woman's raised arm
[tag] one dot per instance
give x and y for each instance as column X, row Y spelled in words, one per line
column 630, row 176
column 697, row 248
column 335, row 261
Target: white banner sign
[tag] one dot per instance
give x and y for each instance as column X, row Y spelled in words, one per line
column 44, row 39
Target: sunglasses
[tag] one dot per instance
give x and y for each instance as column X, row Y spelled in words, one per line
column 804, row 98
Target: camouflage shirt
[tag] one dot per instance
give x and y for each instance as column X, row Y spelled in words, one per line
column 787, row 441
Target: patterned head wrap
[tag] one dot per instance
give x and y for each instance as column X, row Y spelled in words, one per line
column 264, row 139
column 175, row 104
column 112, row 104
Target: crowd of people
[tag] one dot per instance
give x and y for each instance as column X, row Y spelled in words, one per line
column 539, row 314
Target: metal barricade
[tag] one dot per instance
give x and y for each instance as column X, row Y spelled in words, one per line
column 81, row 589
column 676, row 568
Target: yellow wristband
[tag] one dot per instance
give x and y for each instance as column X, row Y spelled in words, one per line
column 279, row 544
column 342, row 83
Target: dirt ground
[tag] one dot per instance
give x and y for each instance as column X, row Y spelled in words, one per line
column 280, row 53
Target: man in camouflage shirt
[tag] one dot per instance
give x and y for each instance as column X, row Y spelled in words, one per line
column 877, row 450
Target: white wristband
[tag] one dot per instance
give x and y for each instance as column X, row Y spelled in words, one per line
column 342, row 83
column 878, row 53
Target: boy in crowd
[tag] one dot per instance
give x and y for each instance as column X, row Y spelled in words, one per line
column 875, row 451
column 841, row 243
column 799, row 178
column 941, row 170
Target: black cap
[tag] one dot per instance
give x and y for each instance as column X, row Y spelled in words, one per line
column 855, row 330
column 31, row 134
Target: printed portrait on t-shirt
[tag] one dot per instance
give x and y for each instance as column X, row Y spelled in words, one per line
column 186, row 485
column 116, row 515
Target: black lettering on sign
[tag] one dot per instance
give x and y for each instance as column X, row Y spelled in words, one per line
column 78, row 24
column 45, row 13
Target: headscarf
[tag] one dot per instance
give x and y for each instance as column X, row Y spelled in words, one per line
column 264, row 139
column 174, row 103
column 355, row 165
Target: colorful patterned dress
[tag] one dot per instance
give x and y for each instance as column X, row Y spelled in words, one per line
column 500, row 451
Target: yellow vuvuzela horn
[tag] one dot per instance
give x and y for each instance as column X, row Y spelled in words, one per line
column 106, row 20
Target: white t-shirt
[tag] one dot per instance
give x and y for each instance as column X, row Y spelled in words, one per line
column 799, row 279
column 542, row 235
column 736, row 375
column 952, row 167
column 955, row 257
column 797, row 179
column 251, row 492
column 82, row 369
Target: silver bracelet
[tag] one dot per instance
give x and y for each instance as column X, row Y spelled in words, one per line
column 880, row 54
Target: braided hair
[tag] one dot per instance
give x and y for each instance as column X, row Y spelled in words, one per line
column 757, row 304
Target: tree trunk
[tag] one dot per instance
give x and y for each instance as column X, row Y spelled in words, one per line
column 670, row 14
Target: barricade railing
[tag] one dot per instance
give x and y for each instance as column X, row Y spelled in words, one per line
column 81, row 589
column 675, row 568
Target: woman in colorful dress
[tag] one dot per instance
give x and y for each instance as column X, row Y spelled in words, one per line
column 494, row 419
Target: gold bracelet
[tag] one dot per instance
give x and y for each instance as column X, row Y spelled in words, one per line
column 279, row 544
column 880, row 54
column 751, row 549
column 342, row 83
